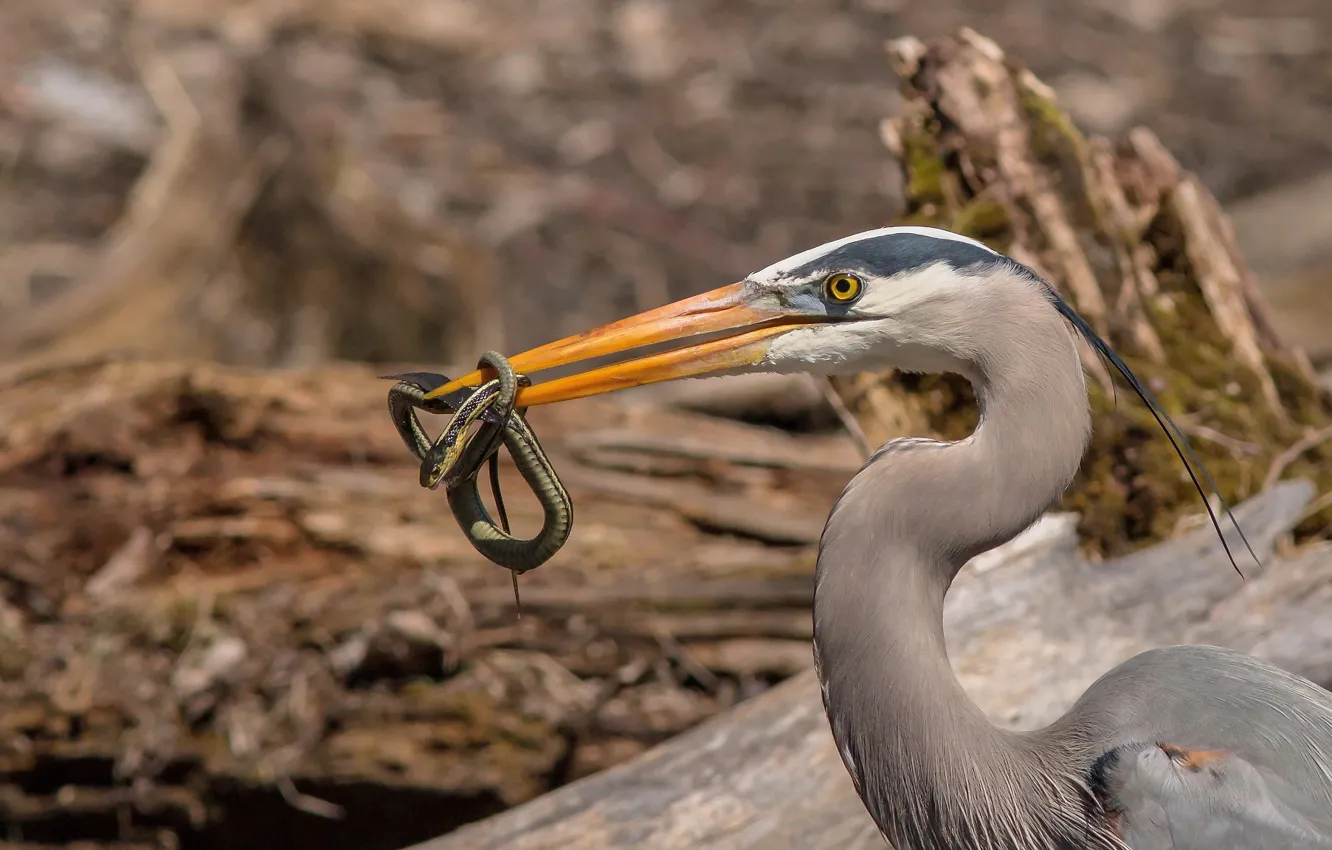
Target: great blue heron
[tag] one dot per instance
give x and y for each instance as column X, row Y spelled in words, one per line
column 929, row 767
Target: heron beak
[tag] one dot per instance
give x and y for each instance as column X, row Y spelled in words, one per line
column 747, row 328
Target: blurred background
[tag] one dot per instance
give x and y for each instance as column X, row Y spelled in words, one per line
column 282, row 182
column 288, row 183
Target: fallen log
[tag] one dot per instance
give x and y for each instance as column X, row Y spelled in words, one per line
column 217, row 579
column 1029, row 627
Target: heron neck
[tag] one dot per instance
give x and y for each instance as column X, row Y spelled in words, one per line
column 904, row 527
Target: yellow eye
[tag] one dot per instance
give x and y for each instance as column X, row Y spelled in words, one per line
column 841, row 287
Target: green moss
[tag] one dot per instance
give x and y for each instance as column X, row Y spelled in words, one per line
column 924, row 168
column 1061, row 148
column 983, row 219
column 928, row 217
column 165, row 623
column 174, row 629
column 1306, row 405
column 465, row 718
column 1054, row 136
column 949, row 403
column 1133, row 489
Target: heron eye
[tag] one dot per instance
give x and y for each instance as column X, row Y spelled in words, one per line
column 841, row 287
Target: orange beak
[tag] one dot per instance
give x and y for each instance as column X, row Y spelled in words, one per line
column 727, row 309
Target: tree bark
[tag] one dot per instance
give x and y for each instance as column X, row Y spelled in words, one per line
column 214, row 577
column 1144, row 253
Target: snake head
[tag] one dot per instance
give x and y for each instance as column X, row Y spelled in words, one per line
column 437, row 463
column 431, row 476
column 440, row 464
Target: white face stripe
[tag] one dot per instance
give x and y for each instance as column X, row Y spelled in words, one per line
column 785, row 266
column 923, row 283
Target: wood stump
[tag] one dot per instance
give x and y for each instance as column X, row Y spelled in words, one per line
column 1143, row 252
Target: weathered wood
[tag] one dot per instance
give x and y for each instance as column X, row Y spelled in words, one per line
column 246, row 558
column 1028, row 627
column 1141, row 249
column 213, row 575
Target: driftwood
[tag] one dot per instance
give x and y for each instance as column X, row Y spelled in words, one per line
column 246, row 588
column 1029, row 627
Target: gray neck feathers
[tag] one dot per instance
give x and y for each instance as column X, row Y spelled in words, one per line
column 925, row 759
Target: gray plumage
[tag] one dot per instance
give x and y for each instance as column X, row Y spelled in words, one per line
column 1164, row 798
column 930, row 768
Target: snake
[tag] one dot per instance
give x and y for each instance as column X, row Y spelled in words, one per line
column 455, row 461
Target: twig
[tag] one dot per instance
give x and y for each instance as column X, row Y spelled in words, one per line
column 1317, row 505
column 1194, row 429
column 1293, row 453
column 672, row 648
column 449, row 590
column 306, row 803
column 184, row 124
column 849, row 422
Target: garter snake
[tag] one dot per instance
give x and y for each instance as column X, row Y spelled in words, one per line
column 455, row 461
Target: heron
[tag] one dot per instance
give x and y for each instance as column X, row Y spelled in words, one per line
column 930, row 768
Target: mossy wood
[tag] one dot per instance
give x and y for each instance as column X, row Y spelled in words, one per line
column 1145, row 254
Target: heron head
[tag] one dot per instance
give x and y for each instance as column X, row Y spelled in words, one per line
column 895, row 297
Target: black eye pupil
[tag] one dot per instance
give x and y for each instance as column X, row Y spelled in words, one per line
column 841, row 287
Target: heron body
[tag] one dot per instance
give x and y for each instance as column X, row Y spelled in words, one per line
column 1173, row 799
column 932, row 771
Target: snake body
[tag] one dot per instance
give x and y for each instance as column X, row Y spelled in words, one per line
column 456, row 461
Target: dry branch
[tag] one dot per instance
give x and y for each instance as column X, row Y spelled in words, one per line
column 179, row 226
column 251, row 235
